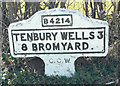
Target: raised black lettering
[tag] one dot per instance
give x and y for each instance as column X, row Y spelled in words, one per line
column 36, row 36
column 29, row 37
column 41, row 46
column 56, row 46
column 67, row 20
column 54, row 35
column 76, row 34
column 77, row 46
column 62, row 20
column 22, row 37
column 83, row 36
column 64, row 44
column 45, row 21
column 42, row 37
column 57, row 20
column 48, row 36
column 16, row 36
column 85, row 45
column 70, row 47
column 48, row 46
column 24, row 47
column 71, row 35
column 100, row 36
column 64, row 35
column 34, row 47
column 92, row 35
column 52, row 21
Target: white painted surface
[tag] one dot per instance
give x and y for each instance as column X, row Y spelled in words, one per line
column 61, row 20
column 53, row 23
column 67, row 41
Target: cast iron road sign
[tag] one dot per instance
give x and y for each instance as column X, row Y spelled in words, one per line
column 59, row 37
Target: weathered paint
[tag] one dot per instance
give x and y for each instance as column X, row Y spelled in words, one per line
column 90, row 34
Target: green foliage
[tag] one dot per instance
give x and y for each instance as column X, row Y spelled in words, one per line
column 93, row 71
column 88, row 72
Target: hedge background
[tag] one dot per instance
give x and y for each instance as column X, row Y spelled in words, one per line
column 89, row 70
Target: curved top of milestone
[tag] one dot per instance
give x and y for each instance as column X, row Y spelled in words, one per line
column 79, row 19
column 58, row 31
column 59, row 36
